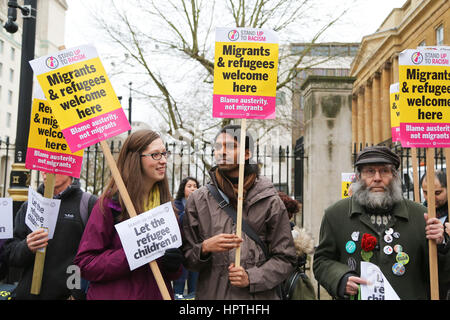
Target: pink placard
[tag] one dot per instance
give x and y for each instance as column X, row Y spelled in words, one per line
column 54, row 162
column 425, row 135
column 97, row 129
column 248, row 107
column 395, row 133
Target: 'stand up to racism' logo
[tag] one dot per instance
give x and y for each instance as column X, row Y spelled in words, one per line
column 233, row 35
column 417, row 58
column 52, row 62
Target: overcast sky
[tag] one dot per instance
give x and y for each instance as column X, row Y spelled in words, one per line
column 363, row 18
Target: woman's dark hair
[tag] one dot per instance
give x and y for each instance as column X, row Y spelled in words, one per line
column 292, row 206
column 130, row 168
column 440, row 175
column 180, row 192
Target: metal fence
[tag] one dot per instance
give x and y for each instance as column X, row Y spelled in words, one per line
column 276, row 163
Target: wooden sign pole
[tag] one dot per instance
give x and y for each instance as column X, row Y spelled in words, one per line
column 415, row 175
column 130, row 208
column 240, row 203
column 434, row 280
column 39, row 258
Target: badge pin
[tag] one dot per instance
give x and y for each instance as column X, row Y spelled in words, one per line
column 398, row 248
column 396, row 235
column 389, row 231
column 388, row 238
column 398, row 269
column 388, row 250
column 402, row 257
column 350, row 247
column 355, row 235
column 351, row 262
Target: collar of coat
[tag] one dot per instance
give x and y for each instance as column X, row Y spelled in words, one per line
column 400, row 210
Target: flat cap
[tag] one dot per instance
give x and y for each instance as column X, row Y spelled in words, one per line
column 377, row 154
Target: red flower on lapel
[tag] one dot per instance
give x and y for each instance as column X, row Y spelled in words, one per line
column 368, row 242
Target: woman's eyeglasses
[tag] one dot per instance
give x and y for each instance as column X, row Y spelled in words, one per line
column 157, row 155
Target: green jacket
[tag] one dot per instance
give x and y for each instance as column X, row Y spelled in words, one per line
column 345, row 217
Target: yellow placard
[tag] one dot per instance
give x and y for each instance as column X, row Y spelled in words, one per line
column 79, row 92
column 45, row 133
column 245, row 68
column 424, row 94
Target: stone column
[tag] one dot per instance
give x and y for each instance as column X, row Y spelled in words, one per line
column 376, row 114
column 354, row 119
column 361, row 137
column 385, row 108
column 368, row 113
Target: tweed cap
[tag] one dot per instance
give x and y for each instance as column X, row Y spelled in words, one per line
column 377, row 154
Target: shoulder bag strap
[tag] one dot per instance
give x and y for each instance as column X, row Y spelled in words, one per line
column 223, row 204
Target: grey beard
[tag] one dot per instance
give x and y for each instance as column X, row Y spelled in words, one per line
column 378, row 200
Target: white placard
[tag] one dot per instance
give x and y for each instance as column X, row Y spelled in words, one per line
column 147, row 236
column 6, row 218
column 379, row 287
column 41, row 212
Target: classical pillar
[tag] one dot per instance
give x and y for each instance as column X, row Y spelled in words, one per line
column 394, row 71
column 361, row 137
column 354, row 119
column 385, row 108
column 376, row 113
column 368, row 113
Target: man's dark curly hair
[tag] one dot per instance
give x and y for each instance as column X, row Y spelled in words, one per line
column 291, row 205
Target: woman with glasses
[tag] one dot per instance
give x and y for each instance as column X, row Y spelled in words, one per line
column 142, row 164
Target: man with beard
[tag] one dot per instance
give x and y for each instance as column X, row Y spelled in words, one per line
column 377, row 225
column 209, row 232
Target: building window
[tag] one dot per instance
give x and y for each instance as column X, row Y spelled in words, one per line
column 422, row 44
column 8, row 119
column 1, row 46
column 10, row 97
column 11, row 75
column 13, row 53
column 440, row 35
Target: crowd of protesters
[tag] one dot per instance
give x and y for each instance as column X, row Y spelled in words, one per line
column 375, row 224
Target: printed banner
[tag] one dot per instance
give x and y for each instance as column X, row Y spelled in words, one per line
column 41, row 212
column 245, row 73
column 81, row 96
column 424, row 76
column 6, row 218
column 346, row 181
column 395, row 111
column 148, row 235
column 47, row 149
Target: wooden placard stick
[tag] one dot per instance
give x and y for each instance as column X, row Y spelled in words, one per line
column 447, row 161
column 132, row 212
column 240, row 203
column 39, row 259
column 415, row 175
column 432, row 248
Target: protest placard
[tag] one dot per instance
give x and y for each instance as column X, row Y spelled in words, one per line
column 424, row 98
column 6, row 218
column 395, row 111
column 47, row 148
column 147, row 236
column 346, row 181
column 378, row 287
column 81, row 96
column 245, row 85
column 41, row 212
column 245, row 73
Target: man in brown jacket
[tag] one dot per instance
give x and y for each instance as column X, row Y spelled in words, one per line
column 209, row 232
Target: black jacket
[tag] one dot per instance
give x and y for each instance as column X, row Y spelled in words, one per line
column 60, row 251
